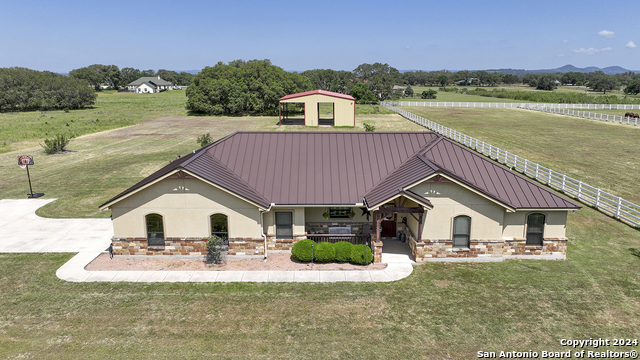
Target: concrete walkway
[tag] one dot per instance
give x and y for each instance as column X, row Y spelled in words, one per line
column 21, row 230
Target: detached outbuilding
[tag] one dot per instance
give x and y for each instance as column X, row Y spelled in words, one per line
column 342, row 113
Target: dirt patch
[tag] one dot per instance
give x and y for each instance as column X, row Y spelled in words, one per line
column 279, row 262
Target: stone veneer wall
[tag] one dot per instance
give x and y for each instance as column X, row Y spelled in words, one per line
column 274, row 244
column 172, row 246
column 426, row 249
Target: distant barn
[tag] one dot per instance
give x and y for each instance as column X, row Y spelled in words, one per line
column 343, row 108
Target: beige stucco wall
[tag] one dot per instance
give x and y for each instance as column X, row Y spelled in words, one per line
column 554, row 227
column 344, row 109
column 450, row 200
column 314, row 214
column 298, row 220
column 185, row 205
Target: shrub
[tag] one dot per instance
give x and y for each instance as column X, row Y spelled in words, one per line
column 204, row 140
column 343, row 251
column 429, row 94
column 57, row 143
column 301, row 250
column 324, row 252
column 214, row 249
column 361, row 255
column 369, row 127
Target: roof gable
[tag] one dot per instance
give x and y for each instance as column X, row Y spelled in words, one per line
column 319, row 92
column 150, row 79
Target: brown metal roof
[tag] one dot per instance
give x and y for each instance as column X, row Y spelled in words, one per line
column 334, row 168
column 320, row 92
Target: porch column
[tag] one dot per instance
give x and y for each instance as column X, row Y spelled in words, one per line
column 420, row 226
column 376, row 244
column 279, row 113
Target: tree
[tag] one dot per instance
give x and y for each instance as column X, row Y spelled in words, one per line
column 129, row 75
column 633, row 88
column 253, row 86
column 362, row 94
column 603, row 83
column 167, row 75
column 23, row 89
column 330, row 80
column 546, row 82
column 408, row 91
column 98, row 74
column 429, row 94
column 379, row 77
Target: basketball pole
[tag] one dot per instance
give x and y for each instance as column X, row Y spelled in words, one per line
column 29, row 177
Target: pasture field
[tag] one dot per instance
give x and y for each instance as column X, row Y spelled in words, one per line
column 598, row 153
column 112, row 110
column 441, row 311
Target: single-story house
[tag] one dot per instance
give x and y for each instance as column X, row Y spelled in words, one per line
column 263, row 191
column 343, row 111
column 149, row 84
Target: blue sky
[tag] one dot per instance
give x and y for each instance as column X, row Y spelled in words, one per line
column 302, row 35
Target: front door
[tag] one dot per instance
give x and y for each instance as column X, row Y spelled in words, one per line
column 388, row 226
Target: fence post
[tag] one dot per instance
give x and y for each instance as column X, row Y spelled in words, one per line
column 564, row 180
column 537, row 168
column 618, row 208
column 525, row 166
column 579, row 189
column 598, row 199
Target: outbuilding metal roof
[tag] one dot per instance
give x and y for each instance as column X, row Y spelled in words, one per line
column 318, row 92
column 342, row 168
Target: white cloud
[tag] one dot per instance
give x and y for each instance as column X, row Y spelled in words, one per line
column 565, row 41
column 587, row 51
column 561, row 55
column 591, row 50
column 630, row 44
column 607, row 34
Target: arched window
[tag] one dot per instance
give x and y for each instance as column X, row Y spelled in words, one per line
column 461, row 231
column 535, row 229
column 155, row 230
column 220, row 227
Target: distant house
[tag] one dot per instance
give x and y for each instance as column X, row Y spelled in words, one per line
column 343, row 108
column 263, row 191
column 149, row 84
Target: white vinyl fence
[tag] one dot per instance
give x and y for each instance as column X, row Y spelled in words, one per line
column 513, row 105
column 584, row 114
column 607, row 203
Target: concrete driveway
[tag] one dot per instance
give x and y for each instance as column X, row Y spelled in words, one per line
column 21, row 230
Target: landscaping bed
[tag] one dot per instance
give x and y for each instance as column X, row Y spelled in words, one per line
column 281, row 262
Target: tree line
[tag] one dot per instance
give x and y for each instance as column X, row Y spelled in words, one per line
column 113, row 77
column 23, row 89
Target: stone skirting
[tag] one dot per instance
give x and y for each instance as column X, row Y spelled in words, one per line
column 443, row 249
column 172, row 246
column 274, row 244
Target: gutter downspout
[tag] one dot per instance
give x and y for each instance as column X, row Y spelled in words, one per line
column 262, row 229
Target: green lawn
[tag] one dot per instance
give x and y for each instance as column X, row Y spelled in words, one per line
column 441, row 311
column 601, row 154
